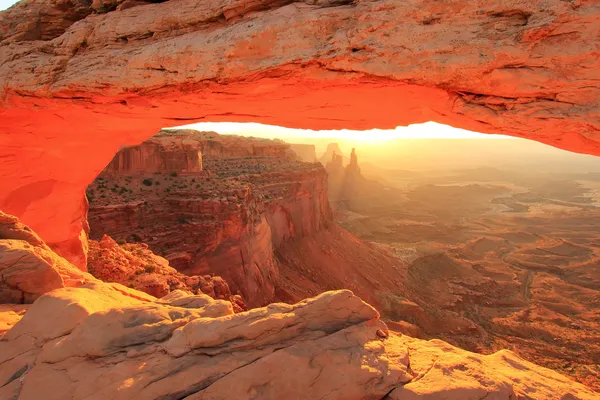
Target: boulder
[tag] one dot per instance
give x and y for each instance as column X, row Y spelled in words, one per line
column 28, row 268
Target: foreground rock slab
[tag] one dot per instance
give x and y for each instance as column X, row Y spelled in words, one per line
column 28, row 268
column 107, row 341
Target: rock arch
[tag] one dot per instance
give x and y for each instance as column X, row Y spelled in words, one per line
column 525, row 68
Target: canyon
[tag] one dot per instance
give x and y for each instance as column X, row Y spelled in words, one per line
column 499, row 252
column 196, row 316
column 226, row 218
column 81, row 81
column 103, row 340
column 253, row 216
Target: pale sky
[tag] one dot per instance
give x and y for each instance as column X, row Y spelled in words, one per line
column 427, row 130
column 4, row 4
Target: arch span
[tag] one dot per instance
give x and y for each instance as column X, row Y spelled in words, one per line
column 523, row 68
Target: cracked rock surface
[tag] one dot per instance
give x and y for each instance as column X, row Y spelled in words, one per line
column 103, row 341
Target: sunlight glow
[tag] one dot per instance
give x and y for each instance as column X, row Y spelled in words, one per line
column 427, row 130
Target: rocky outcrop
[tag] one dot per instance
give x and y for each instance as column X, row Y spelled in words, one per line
column 135, row 266
column 214, row 146
column 334, row 155
column 347, row 185
column 352, row 166
column 528, row 69
column 31, row 20
column 226, row 221
column 166, row 156
column 28, row 268
column 99, row 341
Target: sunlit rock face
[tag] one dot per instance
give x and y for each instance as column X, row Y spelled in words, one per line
column 41, row 19
column 105, row 340
column 137, row 267
column 69, row 101
column 227, row 219
column 157, row 156
column 108, row 342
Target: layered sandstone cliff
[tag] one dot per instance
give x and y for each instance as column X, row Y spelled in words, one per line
column 227, row 220
column 104, row 340
column 156, row 156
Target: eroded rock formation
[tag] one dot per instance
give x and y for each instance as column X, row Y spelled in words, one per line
column 347, row 185
column 31, row 20
column 227, row 220
column 353, row 167
column 527, row 69
column 157, row 156
column 333, row 154
column 135, row 266
column 104, row 341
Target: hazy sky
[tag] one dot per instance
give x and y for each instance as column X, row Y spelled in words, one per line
column 426, row 131
column 4, row 4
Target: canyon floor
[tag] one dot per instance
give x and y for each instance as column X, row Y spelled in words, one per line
column 492, row 259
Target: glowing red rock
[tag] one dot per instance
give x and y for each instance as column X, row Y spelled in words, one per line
column 114, row 79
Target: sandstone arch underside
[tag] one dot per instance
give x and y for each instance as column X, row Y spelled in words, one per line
column 70, row 100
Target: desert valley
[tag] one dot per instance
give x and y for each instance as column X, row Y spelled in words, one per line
column 486, row 258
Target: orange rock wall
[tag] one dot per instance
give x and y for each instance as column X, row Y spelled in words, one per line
column 231, row 239
column 151, row 157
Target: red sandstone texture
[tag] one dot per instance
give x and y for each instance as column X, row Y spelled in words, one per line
column 157, row 156
column 10, row 314
column 69, row 101
column 227, row 219
column 135, row 266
